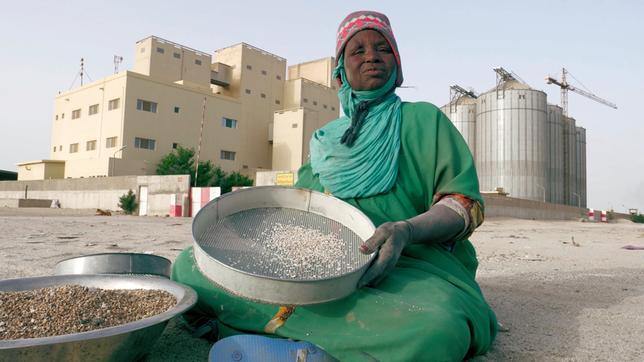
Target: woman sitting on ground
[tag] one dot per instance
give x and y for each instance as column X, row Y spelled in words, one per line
column 410, row 171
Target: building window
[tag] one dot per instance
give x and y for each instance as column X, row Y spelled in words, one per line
column 93, row 109
column 198, row 61
column 324, row 106
column 146, row 106
column 315, row 103
column 60, row 148
column 279, row 77
column 144, row 143
column 90, row 145
column 110, row 142
column 73, row 148
column 175, row 145
column 176, row 55
column 249, row 67
column 76, row 113
column 62, row 115
column 176, row 109
column 160, row 50
column 277, row 101
column 293, row 125
column 113, row 104
column 228, row 122
column 54, row 148
column 333, row 108
column 305, row 100
column 247, row 91
column 142, row 50
column 262, row 95
column 227, row 155
column 263, row 72
column 56, row 117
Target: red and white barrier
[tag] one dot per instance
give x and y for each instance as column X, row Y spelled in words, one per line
column 200, row 196
column 591, row 215
column 178, row 203
column 604, row 217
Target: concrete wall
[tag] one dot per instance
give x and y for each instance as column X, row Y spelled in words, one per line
column 102, row 192
column 270, row 178
column 34, row 203
column 9, row 202
column 503, row 206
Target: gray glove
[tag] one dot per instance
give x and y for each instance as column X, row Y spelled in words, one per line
column 437, row 225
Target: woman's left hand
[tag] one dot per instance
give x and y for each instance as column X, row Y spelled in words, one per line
column 390, row 239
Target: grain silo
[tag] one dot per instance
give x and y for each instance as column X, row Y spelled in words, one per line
column 461, row 110
column 580, row 174
column 555, row 155
column 511, row 124
column 571, row 193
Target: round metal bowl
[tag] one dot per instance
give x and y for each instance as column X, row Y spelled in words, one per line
column 126, row 342
column 115, row 263
column 230, row 235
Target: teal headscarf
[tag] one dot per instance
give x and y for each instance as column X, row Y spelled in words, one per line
column 370, row 166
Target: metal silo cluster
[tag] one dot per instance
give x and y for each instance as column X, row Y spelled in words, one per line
column 522, row 144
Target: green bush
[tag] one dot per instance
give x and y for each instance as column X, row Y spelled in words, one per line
column 128, row 203
column 639, row 218
column 181, row 161
column 233, row 179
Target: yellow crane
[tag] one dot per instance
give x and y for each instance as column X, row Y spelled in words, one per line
column 565, row 87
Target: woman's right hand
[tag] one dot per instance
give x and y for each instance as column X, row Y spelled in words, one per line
column 388, row 240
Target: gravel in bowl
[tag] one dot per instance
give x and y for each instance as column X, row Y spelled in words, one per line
column 67, row 309
column 104, row 317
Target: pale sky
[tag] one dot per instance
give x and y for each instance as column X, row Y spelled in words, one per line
column 441, row 43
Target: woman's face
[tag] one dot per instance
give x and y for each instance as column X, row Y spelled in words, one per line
column 368, row 60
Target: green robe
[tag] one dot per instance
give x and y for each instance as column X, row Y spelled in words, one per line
column 429, row 308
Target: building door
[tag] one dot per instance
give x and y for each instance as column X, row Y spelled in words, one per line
column 143, row 200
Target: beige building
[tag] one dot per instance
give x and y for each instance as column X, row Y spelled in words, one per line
column 308, row 105
column 236, row 109
column 41, row 170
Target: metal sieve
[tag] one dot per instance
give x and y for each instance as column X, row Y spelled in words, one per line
column 234, row 237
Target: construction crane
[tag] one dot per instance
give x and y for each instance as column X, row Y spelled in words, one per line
column 455, row 93
column 565, row 86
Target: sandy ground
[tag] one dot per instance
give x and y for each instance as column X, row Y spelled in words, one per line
column 563, row 290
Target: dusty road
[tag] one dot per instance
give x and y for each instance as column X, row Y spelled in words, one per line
column 564, row 290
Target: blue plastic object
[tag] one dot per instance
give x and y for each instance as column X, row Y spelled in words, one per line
column 254, row 348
